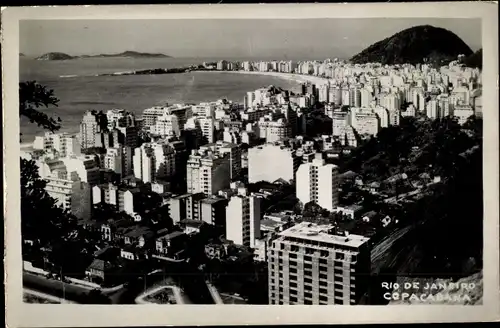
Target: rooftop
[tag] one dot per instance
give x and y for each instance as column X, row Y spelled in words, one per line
column 322, row 233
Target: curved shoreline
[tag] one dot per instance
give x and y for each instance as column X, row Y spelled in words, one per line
column 299, row 78
column 293, row 77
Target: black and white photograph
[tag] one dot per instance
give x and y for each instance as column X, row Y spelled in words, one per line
column 252, row 161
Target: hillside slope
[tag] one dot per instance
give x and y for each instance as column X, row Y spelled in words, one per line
column 415, row 45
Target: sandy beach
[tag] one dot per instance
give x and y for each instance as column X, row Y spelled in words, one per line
column 299, row 78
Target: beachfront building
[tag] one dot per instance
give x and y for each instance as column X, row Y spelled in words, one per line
column 318, row 182
column 151, row 115
column 312, row 264
column 283, row 165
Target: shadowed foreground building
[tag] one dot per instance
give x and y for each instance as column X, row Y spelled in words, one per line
column 315, row 264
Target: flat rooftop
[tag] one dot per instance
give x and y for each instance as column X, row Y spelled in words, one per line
column 320, row 233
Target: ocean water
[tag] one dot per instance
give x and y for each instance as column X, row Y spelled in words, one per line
column 82, row 91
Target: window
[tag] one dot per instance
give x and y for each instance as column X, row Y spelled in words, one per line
column 293, row 256
column 293, row 299
column 308, row 302
column 307, row 295
column 338, row 294
column 323, row 298
column 323, row 283
column 308, row 266
column 293, row 285
column 307, row 280
column 337, row 271
column 323, row 261
column 323, row 276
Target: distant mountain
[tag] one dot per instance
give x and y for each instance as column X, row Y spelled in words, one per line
column 127, row 54
column 21, row 54
column 415, row 45
column 55, row 56
column 130, row 54
column 475, row 60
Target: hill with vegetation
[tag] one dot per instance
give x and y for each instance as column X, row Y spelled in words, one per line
column 475, row 60
column 128, row 54
column 415, row 45
column 446, row 214
column 125, row 54
column 55, row 56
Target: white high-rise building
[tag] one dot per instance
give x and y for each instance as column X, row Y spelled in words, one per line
column 391, row 101
column 432, row 109
column 90, row 129
column 243, row 217
column 221, row 148
column 208, row 172
column 366, row 122
column 85, row 166
column 113, row 160
column 366, row 97
column 383, row 115
column 204, row 109
column 340, row 120
column 274, row 131
column 314, row 264
column 144, row 163
column 207, row 125
column 58, row 144
column 167, row 125
column 283, row 165
column 164, row 160
column 318, row 182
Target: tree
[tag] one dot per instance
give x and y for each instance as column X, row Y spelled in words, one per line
column 41, row 218
column 32, row 96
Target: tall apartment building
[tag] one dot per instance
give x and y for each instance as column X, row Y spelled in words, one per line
column 150, row 116
column 85, row 167
column 274, row 131
column 208, row 172
column 113, row 160
column 225, row 148
column 66, row 187
column 313, row 265
column 243, row 217
column 204, row 109
column 167, row 125
column 340, row 120
column 92, row 125
column 318, row 182
column 366, row 122
column 144, row 163
column 57, row 144
column 283, row 165
column 119, row 118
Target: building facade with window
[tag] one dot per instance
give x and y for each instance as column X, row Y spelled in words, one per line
column 316, row 264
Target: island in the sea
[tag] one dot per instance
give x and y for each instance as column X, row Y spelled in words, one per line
column 125, row 54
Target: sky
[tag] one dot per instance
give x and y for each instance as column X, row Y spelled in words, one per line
column 224, row 38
